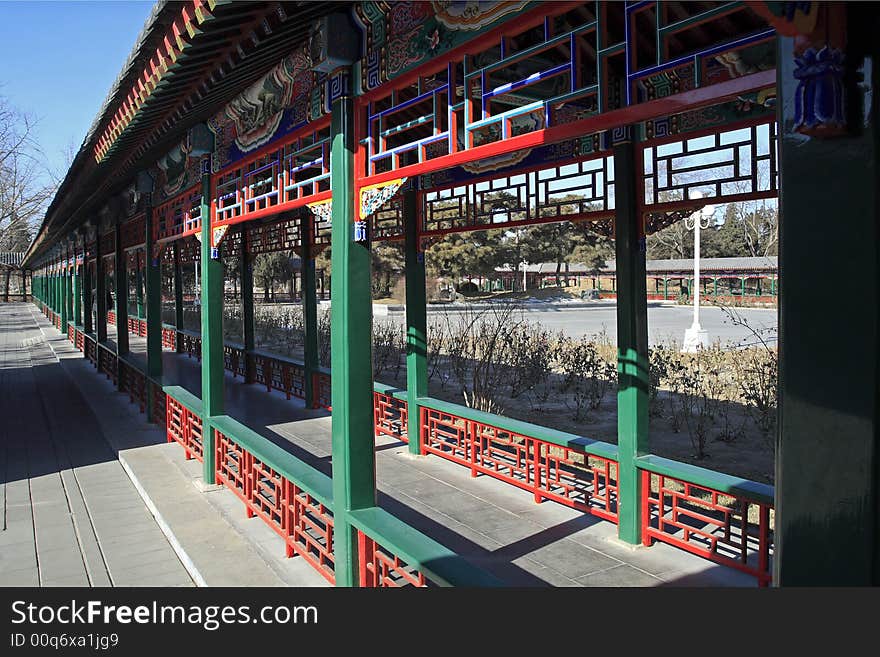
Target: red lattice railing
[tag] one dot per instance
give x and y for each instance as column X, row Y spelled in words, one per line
column 572, row 477
column 137, row 327
column 91, row 351
column 280, row 375
column 183, row 426
column 107, row 363
column 234, row 360
column 111, row 317
column 321, row 388
column 379, row 568
column 71, row 333
column 133, row 381
column 159, row 405
column 191, row 345
column 304, row 522
column 80, row 341
column 390, row 416
column 727, row 529
column 169, row 338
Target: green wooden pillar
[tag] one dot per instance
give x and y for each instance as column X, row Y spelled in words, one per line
column 77, row 294
column 247, row 307
column 212, row 329
column 742, row 286
column 665, row 288
column 353, row 440
column 87, row 287
column 178, row 297
column 715, row 286
column 120, row 277
column 828, row 440
column 773, row 286
column 71, row 287
column 416, row 322
column 100, row 290
column 139, row 287
column 153, row 275
column 310, row 308
column 632, row 342
column 64, row 294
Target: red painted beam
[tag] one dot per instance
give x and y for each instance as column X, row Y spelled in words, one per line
column 688, row 100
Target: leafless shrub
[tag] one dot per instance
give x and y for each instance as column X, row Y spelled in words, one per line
column 586, row 374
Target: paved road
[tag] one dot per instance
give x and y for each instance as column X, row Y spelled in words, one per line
column 665, row 323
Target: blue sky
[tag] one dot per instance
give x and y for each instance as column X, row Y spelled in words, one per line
column 59, row 59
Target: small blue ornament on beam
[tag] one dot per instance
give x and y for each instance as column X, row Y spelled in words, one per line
column 360, row 231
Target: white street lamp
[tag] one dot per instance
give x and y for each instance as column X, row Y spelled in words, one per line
column 696, row 337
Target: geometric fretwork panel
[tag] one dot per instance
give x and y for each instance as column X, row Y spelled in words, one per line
column 276, row 236
column 725, row 166
column 386, row 223
column 564, row 192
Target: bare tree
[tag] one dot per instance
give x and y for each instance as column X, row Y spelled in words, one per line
column 23, row 190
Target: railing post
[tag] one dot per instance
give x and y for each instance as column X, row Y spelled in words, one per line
column 77, row 292
column 416, row 321
column 86, row 286
column 212, row 329
column 154, row 302
column 632, row 341
column 100, row 290
column 139, row 285
column 178, row 299
column 120, row 277
column 310, row 310
column 247, row 305
column 353, row 441
column 64, row 290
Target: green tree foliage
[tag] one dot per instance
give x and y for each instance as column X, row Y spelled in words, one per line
column 473, row 253
column 387, row 264
column 272, row 268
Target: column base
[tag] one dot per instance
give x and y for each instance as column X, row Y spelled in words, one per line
column 695, row 338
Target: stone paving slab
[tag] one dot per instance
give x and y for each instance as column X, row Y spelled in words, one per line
column 223, row 547
column 61, row 482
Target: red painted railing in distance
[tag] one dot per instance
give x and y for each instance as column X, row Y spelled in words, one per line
column 721, row 518
column 137, row 327
column 184, row 426
column 389, row 412
column 568, row 469
column 133, row 381
column 169, row 338
column 286, row 376
column 294, row 499
column 107, row 363
column 234, row 359
column 80, row 341
column 111, row 317
column 91, row 350
column 321, row 388
column 159, row 405
column 71, row 333
column 191, row 344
